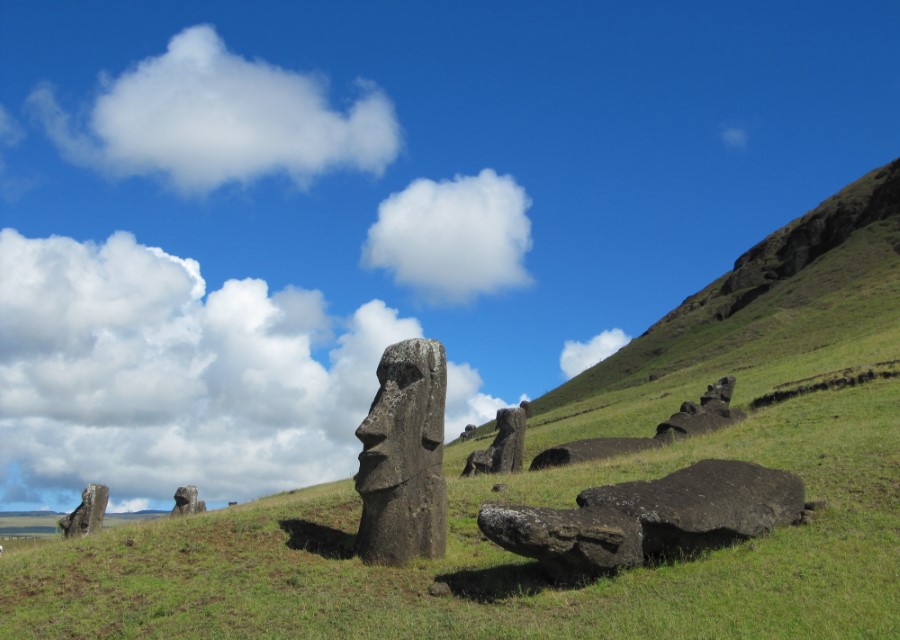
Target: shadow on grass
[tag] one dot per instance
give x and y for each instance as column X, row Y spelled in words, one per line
column 497, row 583
column 319, row 539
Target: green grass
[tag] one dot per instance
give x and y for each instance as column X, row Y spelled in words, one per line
column 274, row 568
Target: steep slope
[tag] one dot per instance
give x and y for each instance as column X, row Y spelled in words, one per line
column 847, row 245
column 281, row 567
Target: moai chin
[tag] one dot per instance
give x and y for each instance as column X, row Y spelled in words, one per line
column 88, row 516
column 400, row 475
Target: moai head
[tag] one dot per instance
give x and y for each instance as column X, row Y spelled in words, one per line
column 186, row 501
column 404, row 431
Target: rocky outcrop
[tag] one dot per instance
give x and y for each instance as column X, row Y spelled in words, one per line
column 708, row 505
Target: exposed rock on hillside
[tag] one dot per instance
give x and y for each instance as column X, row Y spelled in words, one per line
column 786, row 252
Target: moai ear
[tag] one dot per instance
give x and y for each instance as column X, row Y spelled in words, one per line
column 433, row 427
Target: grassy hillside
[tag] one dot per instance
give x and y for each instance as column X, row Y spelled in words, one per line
column 279, row 567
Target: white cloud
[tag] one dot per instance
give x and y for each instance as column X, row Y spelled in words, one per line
column 11, row 133
column 128, row 506
column 201, row 116
column 578, row 356
column 465, row 405
column 454, row 240
column 734, row 137
column 115, row 368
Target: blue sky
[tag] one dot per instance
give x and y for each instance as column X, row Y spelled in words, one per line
column 217, row 215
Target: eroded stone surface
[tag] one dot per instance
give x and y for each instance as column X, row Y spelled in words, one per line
column 591, row 449
column 187, row 502
column 88, row 516
column 708, row 505
column 508, row 449
column 713, row 413
column 400, row 474
column 571, row 544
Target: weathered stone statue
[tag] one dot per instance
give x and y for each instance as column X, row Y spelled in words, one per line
column 400, row 474
column 526, row 405
column 590, row 449
column 468, row 432
column 708, row 505
column 186, row 502
column 506, row 453
column 713, row 413
column 88, row 516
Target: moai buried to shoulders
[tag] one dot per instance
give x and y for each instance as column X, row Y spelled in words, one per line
column 400, row 475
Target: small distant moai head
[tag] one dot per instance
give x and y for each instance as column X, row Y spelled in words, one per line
column 404, row 431
column 186, row 501
column 526, row 406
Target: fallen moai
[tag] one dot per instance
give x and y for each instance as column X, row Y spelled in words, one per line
column 591, row 449
column 708, row 505
column 400, row 475
column 508, row 449
column 88, row 516
column 712, row 414
column 187, row 502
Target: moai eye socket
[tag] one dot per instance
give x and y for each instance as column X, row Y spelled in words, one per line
column 402, row 373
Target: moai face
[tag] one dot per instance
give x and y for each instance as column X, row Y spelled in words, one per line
column 404, row 431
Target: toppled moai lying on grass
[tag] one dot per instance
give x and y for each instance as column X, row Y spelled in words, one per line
column 711, row 414
column 709, row 505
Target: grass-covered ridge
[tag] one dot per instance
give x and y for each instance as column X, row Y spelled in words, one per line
column 276, row 568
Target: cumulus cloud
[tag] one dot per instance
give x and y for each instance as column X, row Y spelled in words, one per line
column 578, row 356
column 201, row 116
column 734, row 137
column 453, row 240
column 117, row 367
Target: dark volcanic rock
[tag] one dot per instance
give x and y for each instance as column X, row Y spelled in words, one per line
column 712, row 414
column 789, row 250
column 506, row 453
column 708, row 505
column 592, row 449
column 88, row 516
column 571, row 544
column 400, row 475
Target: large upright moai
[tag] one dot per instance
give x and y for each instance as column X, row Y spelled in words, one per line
column 400, row 474
column 88, row 516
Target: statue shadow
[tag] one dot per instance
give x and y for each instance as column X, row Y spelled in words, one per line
column 497, row 583
column 327, row 542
